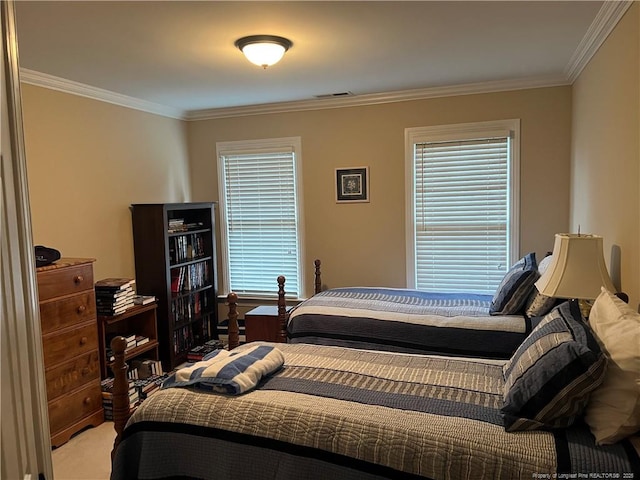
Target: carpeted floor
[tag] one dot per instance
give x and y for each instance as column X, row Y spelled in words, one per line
column 87, row 456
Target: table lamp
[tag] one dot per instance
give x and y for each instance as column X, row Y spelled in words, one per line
column 578, row 270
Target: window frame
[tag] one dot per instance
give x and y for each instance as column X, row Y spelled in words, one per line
column 453, row 132
column 223, row 148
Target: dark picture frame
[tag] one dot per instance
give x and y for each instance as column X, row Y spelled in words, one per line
column 352, row 184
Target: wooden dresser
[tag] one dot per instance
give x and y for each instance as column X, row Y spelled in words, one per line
column 70, row 346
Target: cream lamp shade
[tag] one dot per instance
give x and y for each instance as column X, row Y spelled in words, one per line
column 577, row 270
column 263, row 50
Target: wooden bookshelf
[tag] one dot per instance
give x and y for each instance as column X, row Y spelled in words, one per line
column 138, row 320
column 175, row 259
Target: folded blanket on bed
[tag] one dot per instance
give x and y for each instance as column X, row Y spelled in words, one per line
column 229, row 372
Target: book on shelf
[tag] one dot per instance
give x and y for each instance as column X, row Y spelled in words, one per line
column 200, row 352
column 111, row 310
column 190, row 277
column 106, row 306
column 175, row 280
column 143, row 299
column 131, row 339
column 114, row 302
column 114, row 284
column 139, row 390
column 177, row 225
column 111, row 295
column 106, row 385
column 141, row 340
column 114, row 296
column 148, row 386
column 186, row 247
column 147, row 367
column 108, row 312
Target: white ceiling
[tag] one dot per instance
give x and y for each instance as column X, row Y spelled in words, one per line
column 180, row 55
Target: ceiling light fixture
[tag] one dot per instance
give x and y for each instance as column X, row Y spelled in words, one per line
column 263, row 50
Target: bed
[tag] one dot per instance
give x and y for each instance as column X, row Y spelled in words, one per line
column 414, row 321
column 335, row 412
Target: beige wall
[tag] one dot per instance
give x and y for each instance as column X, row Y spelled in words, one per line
column 364, row 243
column 605, row 162
column 87, row 161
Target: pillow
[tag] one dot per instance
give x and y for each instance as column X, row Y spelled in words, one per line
column 549, row 377
column 538, row 304
column 544, row 264
column 613, row 412
column 515, row 287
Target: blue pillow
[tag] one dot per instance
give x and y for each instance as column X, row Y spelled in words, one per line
column 550, row 376
column 516, row 287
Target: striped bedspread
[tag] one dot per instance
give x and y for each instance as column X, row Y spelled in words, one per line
column 334, row 412
column 403, row 320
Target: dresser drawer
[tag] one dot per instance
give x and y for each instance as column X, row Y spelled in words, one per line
column 72, row 407
column 64, row 281
column 60, row 347
column 68, row 311
column 72, row 374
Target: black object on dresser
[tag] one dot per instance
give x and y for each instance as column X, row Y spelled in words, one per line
column 175, row 260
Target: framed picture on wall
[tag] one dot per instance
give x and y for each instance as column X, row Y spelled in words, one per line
column 352, row 184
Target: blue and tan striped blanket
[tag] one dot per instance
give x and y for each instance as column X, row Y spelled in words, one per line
column 232, row 372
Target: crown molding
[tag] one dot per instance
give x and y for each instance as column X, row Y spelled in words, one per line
column 608, row 16
column 378, row 98
column 606, row 20
column 75, row 88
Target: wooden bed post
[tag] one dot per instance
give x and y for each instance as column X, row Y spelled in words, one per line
column 234, row 338
column 282, row 311
column 120, row 399
column 318, row 281
column 119, row 367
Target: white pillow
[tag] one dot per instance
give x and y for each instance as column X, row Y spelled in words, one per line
column 544, row 264
column 613, row 411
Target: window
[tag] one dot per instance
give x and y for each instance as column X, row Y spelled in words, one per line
column 462, row 208
column 260, row 208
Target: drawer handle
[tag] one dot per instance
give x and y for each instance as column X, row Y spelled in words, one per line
column 81, row 309
column 87, row 400
column 78, row 278
column 83, row 340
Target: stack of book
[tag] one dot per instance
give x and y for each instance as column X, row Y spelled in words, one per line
column 179, row 225
column 114, row 295
column 147, row 368
column 107, row 397
column 201, row 351
column 133, row 341
column 176, row 225
column 150, row 385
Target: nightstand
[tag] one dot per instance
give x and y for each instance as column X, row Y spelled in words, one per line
column 261, row 324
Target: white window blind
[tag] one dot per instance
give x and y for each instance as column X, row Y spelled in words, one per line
column 462, row 218
column 261, row 221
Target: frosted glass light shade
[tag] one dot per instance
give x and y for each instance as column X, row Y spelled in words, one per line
column 577, row 270
column 263, row 50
